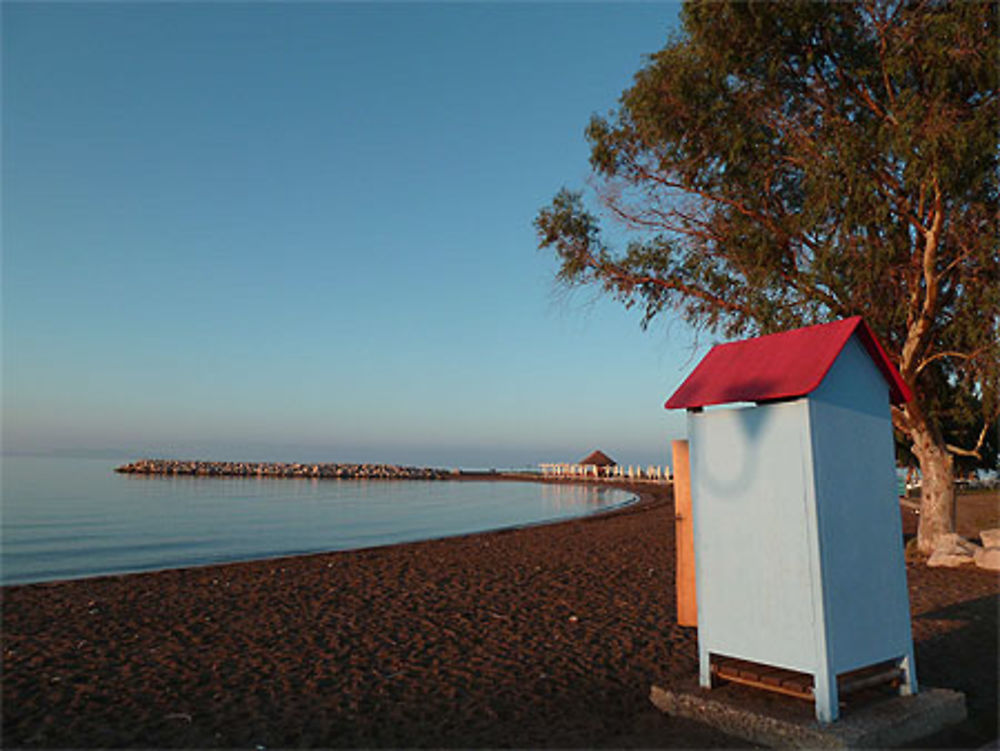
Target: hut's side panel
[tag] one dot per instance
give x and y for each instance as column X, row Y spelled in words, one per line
column 755, row 543
column 864, row 575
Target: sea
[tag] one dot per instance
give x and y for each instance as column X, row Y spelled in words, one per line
column 64, row 518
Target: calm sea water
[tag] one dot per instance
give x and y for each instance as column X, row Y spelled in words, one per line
column 72, row 518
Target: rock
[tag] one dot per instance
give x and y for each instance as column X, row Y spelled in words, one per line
column 954, row 544
column 947, row 560
column 988, row 558
column 990, row 538
column 279, row 469
column 952, row 550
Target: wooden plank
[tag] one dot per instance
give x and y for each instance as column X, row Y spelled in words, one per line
column 687, row 595
column 877, row 667
column 750, row 670
column 772, row 676
column 889, row 675
column 766, row 677
column 798, row 682
column 730, row 666
column 742, row 668
column 800, row 685
column 786, row 690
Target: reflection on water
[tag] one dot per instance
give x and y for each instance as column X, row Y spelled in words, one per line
column 585, row 498
column 64, row 518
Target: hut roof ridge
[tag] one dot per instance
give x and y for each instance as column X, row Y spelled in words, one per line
column 786, row 365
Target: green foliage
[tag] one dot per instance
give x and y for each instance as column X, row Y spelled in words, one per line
column 782, row 164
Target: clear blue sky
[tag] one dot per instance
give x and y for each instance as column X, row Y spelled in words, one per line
column 304, row 231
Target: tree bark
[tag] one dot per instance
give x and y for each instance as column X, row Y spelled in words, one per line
column 937, row 486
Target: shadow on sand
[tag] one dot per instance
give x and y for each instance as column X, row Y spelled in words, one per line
column 964, row 658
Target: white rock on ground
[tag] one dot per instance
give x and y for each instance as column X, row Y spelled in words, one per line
column 988, row 558
column 990, row 538
column 952, row 550
column 944, row 560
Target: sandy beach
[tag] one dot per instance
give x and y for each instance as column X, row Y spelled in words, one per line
column 544, row 636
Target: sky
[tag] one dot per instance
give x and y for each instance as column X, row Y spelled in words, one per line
column 304, row 232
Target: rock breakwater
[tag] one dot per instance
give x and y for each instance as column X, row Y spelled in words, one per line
column 282, row 469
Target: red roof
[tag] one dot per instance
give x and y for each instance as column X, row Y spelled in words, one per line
column 780, row 366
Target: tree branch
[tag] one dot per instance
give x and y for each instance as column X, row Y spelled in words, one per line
column 941, row 355
column 627, row 279
column 975, row 452
column 920, row 328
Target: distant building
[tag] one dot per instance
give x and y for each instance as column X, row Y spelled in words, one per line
column 598, row 459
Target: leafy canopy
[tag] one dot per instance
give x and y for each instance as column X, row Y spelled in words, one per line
column 781, row 164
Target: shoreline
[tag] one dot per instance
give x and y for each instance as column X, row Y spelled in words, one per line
column 548, row 635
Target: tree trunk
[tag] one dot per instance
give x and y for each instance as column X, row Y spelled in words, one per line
column 937, row 487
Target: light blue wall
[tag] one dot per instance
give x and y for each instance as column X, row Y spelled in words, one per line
column 866, row 603
column 755, row 553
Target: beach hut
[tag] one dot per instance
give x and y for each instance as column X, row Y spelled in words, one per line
column 798, row 543
column 598, row 459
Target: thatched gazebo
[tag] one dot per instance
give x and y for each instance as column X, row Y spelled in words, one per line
column 598, row 459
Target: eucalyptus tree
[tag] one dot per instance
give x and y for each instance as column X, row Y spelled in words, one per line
column 783, row 164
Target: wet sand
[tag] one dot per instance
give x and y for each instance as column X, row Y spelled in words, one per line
column 544, row 636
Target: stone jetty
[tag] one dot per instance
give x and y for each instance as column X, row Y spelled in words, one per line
column 282, row 469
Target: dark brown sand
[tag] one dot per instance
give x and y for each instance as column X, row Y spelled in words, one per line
column 545, row 636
